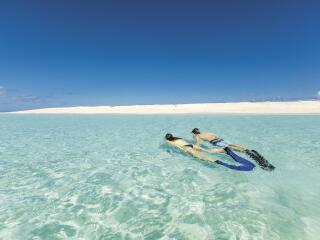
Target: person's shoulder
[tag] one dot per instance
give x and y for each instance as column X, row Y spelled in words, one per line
column 202, row 135
column 209, row 133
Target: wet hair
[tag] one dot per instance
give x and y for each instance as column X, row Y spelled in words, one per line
column 170, row 137
column 196, row 131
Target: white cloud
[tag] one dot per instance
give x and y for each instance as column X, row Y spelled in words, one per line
column 17, row 98
column 318, row 94
column 12, row 99
column 30, row 98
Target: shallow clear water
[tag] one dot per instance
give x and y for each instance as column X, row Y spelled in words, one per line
column 110, row 177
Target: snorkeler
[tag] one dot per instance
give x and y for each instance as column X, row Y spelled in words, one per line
column 194, row 150
column 191, row 148
column 219, row 142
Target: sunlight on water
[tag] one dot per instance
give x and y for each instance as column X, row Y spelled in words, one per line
column 110, row 177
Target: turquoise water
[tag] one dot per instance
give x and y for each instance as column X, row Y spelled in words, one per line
column 110, row 177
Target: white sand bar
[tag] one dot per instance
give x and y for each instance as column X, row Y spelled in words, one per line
column 297, row 107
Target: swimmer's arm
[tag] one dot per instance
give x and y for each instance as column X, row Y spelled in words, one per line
column 196, row 140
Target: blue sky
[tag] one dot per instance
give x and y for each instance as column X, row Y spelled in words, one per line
column 69, row 53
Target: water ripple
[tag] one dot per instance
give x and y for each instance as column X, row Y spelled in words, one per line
column 101, row 177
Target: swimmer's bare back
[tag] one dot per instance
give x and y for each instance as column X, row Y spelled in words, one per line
column 208, row 136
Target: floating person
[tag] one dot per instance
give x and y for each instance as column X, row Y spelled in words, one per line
column 219, row 142
column 195, row 150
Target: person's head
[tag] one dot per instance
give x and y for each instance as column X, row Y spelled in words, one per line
column 169, row 137
column 196, row 131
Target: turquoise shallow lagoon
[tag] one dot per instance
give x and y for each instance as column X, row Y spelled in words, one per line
column 110, row 177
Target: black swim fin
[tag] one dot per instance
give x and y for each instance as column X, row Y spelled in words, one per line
column 258, row 158
column 269, row 166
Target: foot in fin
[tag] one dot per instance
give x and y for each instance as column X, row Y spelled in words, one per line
column 269, row 166
column 226, row 149
column 263, row 163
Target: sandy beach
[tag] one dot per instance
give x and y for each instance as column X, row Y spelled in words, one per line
column 297, row 107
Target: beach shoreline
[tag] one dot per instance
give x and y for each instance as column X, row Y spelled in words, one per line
column 278, row 108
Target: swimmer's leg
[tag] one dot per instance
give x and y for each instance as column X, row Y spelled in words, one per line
column 238, row 168
column 196, row 154
column 217, row 150
column 245, row 164
column 237, row 147
column 212, row 150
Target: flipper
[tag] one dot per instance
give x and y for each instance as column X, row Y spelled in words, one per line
column 270, row 167
column 263, row 163
column 245, row 165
